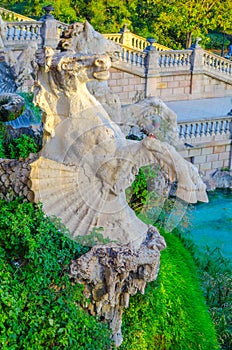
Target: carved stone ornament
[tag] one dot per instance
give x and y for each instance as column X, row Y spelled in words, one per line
column 86, row 163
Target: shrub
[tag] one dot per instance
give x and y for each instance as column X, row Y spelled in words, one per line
column 216, row 41
column 172, row 314
column 216, row 280
column 21, row 147
column 38, row 301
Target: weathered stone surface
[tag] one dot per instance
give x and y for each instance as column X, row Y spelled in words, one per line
column 100, row 163
column 219, row 179
column 11, row 106
column 14, row 178
column 112, row 273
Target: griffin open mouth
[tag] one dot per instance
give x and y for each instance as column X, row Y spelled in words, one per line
column 102, row 75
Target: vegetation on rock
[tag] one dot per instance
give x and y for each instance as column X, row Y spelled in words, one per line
column 39, row 304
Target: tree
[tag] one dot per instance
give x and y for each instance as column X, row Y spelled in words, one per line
column 189, row 19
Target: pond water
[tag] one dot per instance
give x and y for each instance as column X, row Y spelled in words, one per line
column 211, row 223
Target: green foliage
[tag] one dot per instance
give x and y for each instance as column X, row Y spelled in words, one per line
column 173, row 23
column 216, row 41
column 95, row 237
column 172, row 314
column 39, row 304
column 21, row 147
column 138, row 195
column 216, row 280
column 2, row 138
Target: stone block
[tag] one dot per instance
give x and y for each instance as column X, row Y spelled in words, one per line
column 117, row 75
column 199, row 159
column 207, row 150
column 178, row 91
column 127, row 75
column 116, row 89
column 194, row 152
column 123, row 82
column 168, row 79
column 228, row 148
column 112, row 82
column 226, row 163
column 217, row 164
column 224, row 155
column 219, row 149
column 173, row 84
column 162, row 85
column 184, row 83
column 205, row 166
column 129, row 88
column 181, row 77
column 212, row 157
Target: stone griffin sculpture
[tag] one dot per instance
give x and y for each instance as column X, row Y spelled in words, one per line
column 86, row 163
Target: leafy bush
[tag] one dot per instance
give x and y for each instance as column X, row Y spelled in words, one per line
column 172, row 314
column 216, row 280
column 38, row 301
column 138, row 195
column 216, row 41
column 21, row 147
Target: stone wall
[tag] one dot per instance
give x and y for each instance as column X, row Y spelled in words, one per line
column 210, row 156
column 129, row 87
column 171, row 86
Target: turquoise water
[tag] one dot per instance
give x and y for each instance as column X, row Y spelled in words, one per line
column 211, row 223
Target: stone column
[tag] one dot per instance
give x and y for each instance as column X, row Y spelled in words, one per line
column 197, row 65
column 152, row 69
column 126, row 37
column 49, row 32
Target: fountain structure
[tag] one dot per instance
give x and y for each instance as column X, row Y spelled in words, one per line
column 85, row 166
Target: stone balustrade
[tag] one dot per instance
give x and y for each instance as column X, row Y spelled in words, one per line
column 216, row 63
column 133, row 41
column 8, row 15
column 180, row 59
column 133, row 57
column 205, row 130
column 23, row 31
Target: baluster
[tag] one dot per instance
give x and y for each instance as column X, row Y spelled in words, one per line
column 191, row 131
column 216, row 127
column 186, row 133
column 207, row 129
column 201, row 129
column 211, row 128
column 133, row 58
column 7, row 32
column 181, row 133
column 196, row 130
column 221, row 127
column 173, row 60
column 161, row 61
column 15, row 34
column 21, row 32
column 33, row 36
column 227, row 127
column 28, row 32
column 123, row 54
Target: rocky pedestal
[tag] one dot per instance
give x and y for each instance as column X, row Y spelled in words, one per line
column 112, row 273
